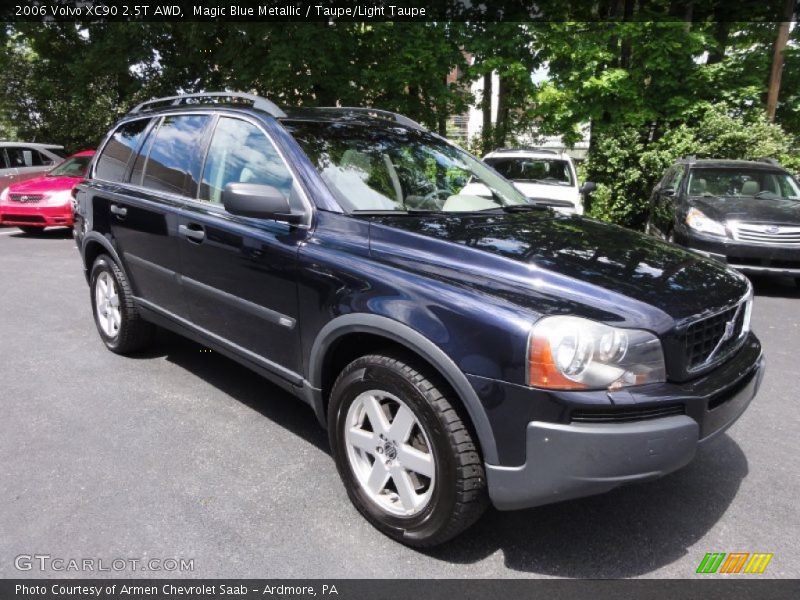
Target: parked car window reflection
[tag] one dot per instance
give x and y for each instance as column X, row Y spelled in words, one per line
column 172, row 165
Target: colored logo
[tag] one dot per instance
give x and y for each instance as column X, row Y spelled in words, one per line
column 735, row 562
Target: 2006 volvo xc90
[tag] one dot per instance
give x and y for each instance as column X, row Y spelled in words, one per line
column 461, row 346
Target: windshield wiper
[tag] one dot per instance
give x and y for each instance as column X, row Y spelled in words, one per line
column 765, row 194
column 516, row 208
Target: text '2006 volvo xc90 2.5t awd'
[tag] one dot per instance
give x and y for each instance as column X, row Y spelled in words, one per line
column 460, row 349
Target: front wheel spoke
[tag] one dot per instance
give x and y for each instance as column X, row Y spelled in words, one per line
column 377, row 477
column 115, row 317
column 414, row 460
column 402, row 424
column 405, row 489
column 377, row 417
column 113, row 300
column 364, row 440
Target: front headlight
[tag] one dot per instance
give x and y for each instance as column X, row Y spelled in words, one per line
column 698, row 221
column 572, row 353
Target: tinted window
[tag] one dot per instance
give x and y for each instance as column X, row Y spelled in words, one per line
column 748, row 183
column 240, row 152
column 173, row 164
column 72, row 167
column 538, row 170
column 117, row 152
column 25, row 157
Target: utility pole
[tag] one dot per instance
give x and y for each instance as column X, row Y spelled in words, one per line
column 777, row 60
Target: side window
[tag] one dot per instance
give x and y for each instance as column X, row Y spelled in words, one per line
column 240, row 152
column 24, row 157
column 3, row 162
column 667, row 177
column 675, row 180
column 173, row 164
column 112, row 163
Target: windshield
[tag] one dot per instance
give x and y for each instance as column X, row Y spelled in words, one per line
column 738, row 183
column 535, row 170
column 72, row 167
column 390, row 168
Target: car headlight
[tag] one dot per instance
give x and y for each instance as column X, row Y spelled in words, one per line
column 572, row 353
column 4, row 195
column 698, row 221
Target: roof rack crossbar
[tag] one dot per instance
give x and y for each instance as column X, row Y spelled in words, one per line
column 386, row 114
column 259, row 103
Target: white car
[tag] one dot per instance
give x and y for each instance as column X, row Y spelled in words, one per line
column 545, row 176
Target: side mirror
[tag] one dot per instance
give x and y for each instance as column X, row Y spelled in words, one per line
column 258, row 201
column 667, row 191
column 587, row 187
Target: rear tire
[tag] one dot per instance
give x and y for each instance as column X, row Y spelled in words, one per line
column 404, row 452
column 118, row 322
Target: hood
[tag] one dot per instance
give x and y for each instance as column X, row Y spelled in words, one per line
column 549, row 192
column 44, row 185
column 759, row 210
column 586, row 262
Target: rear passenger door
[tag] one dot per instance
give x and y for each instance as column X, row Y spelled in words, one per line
column 239, row 272
column 157, row 166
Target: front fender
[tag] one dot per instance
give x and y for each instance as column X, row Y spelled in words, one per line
column 415, row 342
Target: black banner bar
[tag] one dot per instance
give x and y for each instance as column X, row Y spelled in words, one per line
column 88, row 11
column 730, row 588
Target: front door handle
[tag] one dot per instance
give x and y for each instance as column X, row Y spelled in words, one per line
column 192, row 232
column 120, row 211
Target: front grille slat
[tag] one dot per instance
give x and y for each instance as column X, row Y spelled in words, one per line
column 625, row 414
column 786, row 235
column 705, row 335
column 25, row 198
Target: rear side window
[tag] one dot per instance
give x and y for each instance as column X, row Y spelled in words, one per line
column 25, row 157
column 173, row 164
column 113, row 162
column 240, row 152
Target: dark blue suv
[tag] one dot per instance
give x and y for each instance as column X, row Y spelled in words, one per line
column 461, row 345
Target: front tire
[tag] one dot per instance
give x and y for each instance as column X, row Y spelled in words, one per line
column 404, row 452
column 118, row 322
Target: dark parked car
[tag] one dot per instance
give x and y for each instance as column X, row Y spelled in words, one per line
column 459, row 348
column 743, row 213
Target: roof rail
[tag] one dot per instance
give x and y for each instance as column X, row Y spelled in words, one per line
column 528, row 149
column 377, row 112
column 769, row 161
column 258, row 102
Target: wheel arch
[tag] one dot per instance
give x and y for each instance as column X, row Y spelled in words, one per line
column 93, row 246
column 373, row 329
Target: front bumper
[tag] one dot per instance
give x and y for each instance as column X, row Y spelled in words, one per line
column 575, row 459
column 35, row 215
column 759, row 259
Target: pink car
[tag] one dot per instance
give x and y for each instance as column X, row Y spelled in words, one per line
column 45, row 201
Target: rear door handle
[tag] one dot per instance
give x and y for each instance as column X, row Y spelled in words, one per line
column 120, row 211
column 192, row 232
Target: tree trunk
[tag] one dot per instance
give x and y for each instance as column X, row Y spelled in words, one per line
column 501, row 126
column 486, row 107
column 781, row 40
